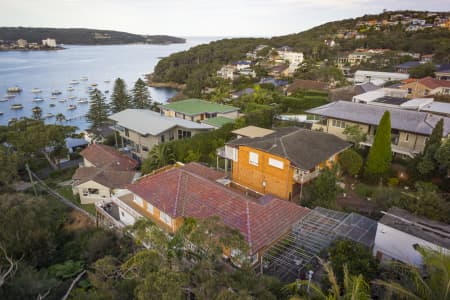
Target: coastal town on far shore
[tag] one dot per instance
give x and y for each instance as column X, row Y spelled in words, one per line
column 279, row 169
column 24, row 45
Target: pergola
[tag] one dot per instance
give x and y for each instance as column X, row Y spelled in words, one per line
column 291, row 256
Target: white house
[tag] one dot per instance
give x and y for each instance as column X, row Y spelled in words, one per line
column 370, row 76
column 49, row 42
column 227, row 72
column 400, row 232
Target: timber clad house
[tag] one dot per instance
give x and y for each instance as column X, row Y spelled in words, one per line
column 172, row 194
column 279, row 162
column 410, row 129
column 104, row 171
column 140, row 129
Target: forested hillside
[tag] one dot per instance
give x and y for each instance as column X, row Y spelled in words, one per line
column 199, row 63
column 82, row 36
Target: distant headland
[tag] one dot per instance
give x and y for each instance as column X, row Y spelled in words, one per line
column 79, row 36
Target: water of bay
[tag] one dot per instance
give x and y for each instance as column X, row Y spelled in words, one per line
column 101, row 65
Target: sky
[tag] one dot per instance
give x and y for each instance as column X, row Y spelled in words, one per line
column 198, row 17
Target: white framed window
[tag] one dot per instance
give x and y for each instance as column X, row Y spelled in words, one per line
column 150, row 208
column 276, row 163
column 138, row 200
column 253, row 158
column 165, row 218
column 338, row 123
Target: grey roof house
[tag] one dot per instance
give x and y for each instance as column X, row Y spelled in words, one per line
column 140, row 129
column 410, row 128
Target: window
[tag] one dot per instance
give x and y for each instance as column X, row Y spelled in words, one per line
column 150, row 208
column 253, row 158
column 127, row 132
column 163, row 138
column 338, row 123
column 182, row 134
column 407, row 137
column 165, row 218
column 426, row 92
column 138, row 200
column 276, row 163
column 409, row 90
column 145, row 148
column 93, row 191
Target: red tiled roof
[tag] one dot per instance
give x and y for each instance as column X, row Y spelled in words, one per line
column 199, row 169
column 434, row 83
column 102, row 155
column 181, row 192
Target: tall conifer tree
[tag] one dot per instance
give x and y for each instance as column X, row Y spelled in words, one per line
column 98, row 111
column 141, row 95
column 120, row 100
column 380, row 155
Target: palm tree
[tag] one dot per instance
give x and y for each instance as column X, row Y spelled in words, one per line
column 354, row 288
column 60, row 118
column 413, row 285
column 160, row 156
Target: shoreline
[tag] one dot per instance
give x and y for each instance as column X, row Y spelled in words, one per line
column 172, row 85
column 39, row 49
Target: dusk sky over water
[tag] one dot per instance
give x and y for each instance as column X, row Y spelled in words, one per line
column 198, row 17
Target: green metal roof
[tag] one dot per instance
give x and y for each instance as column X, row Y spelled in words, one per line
column 197, row 106
column 218, row 121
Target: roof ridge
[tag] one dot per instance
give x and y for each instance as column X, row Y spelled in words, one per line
column 177, row 196
column 249, row 232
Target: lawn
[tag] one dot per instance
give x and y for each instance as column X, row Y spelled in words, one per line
column 66, row 192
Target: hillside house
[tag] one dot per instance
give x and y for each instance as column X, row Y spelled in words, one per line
column 139, row 130
column 103, row 172
column 279, row 162
column 198, row 110
column 228, row 72
column 426, row 87
column 362, row 76
column 193, row 191
column 410, row 128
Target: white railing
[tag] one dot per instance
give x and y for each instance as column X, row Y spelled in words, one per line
column 305, row 177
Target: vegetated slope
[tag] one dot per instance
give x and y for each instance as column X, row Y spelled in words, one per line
column 83, row 36
column 199, row 63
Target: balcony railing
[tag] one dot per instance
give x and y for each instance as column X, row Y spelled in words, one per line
column 305, row 177
column 395, row 148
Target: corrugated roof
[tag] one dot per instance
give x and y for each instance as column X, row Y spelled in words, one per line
column 401, row 119
column 218, row 121
column 193, row 107
column 437, row 107
column 179, row 192
column 432, row 231
column 304, row 148
column 252, row 131
column 149, row 122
